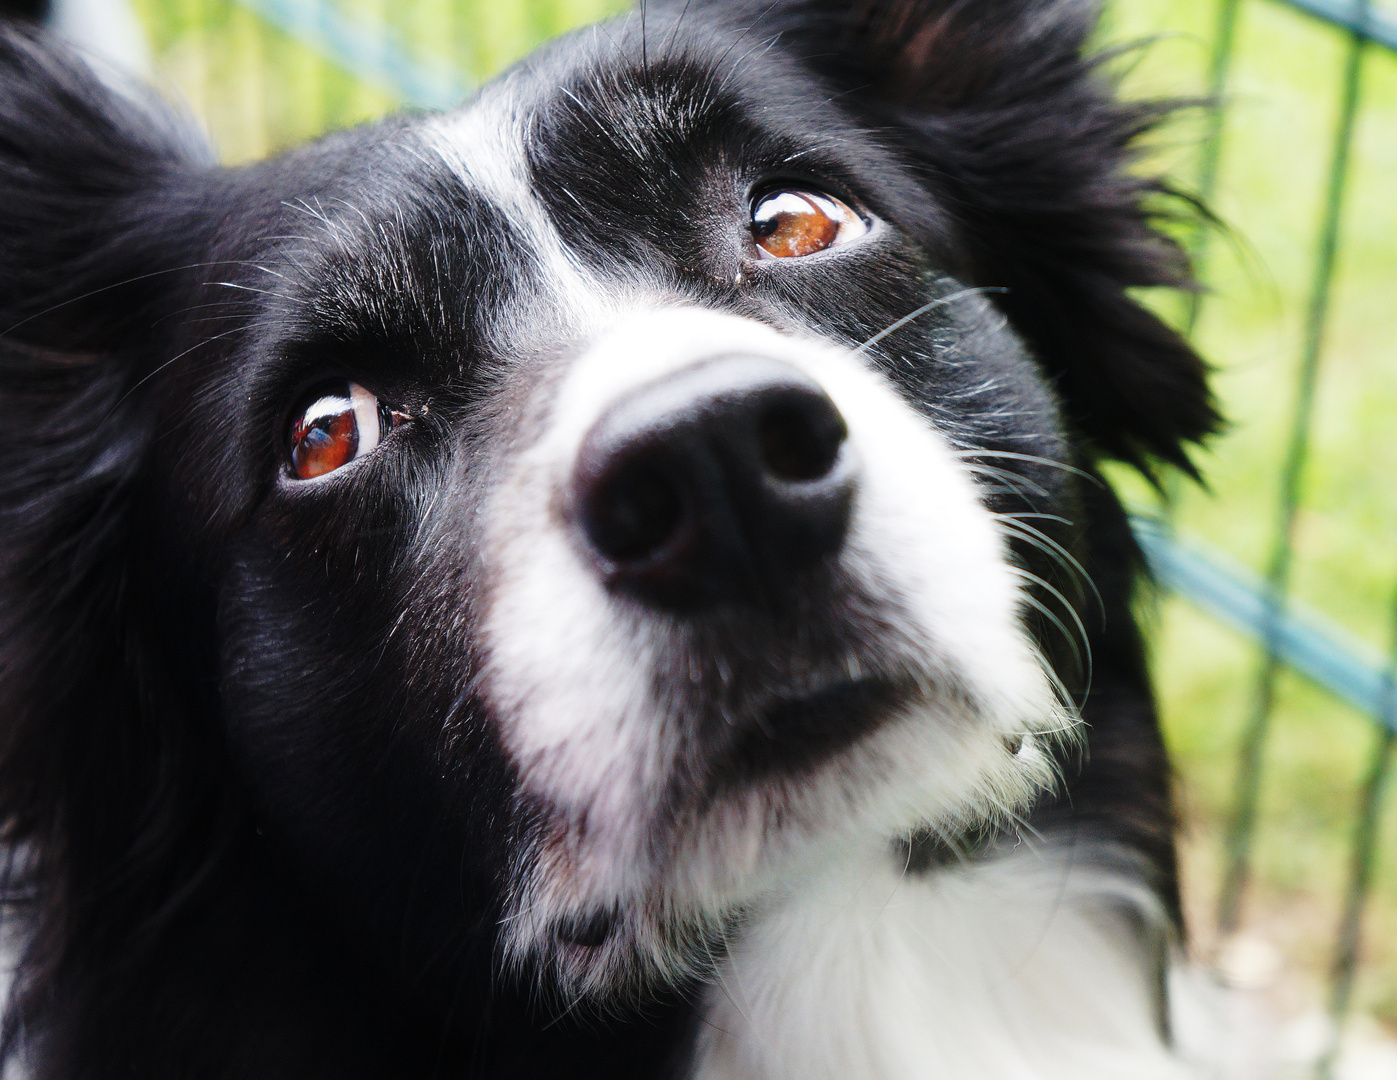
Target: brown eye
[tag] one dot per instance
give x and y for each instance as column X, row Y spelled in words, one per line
column 788, row 224
column 337, row 423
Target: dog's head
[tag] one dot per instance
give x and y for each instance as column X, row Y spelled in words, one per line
column 556, row 525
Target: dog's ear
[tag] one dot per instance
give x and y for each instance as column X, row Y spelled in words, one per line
column 98, row 204
column 96, row 192
column 1018, row 132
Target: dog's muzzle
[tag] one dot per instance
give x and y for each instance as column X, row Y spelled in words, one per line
column 724, row 482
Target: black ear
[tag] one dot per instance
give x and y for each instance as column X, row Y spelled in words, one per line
column 29, row 10
column 1019, row 133
column 97, row 196
column 94, row 200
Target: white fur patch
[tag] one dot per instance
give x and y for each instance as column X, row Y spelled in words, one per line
column 1027, row 967
column 569, row 667
column 483, row 144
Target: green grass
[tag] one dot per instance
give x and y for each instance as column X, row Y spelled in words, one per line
column 257, row 90
column 1282, row 106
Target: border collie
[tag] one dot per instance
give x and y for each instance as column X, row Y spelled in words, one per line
column 610, row 581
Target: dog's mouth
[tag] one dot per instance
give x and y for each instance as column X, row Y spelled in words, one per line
column 795, row 735
column 789, row 736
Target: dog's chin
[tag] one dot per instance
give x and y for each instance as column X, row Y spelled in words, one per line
column 794, row 735
column 772, row 823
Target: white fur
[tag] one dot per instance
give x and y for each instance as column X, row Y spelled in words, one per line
column 483, row 144
column 569, row 666
column 1028, row 967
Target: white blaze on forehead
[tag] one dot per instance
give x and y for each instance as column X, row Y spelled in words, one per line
column 483, row 144
column 569, row 667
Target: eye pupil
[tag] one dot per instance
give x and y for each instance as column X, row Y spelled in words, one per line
column 762, row 228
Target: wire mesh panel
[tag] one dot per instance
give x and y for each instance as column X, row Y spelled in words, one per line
column 266, row 74
column 1295, row 827
column 1363, row 24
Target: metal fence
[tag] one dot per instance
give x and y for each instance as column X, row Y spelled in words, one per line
column 265, row 74
column 268, row 73
column 1261, row 606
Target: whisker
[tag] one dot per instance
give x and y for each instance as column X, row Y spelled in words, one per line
column 1027, row 831
column 115, row 285
column 198, row 307
column 1034, row 579
column 1035, row 459
column 747, row 30
column 259, row 292
column 1020, row 514
column 178, row 356
column 900, row 323
column 1013, row 479
column 1065, row 729
column 669, row 45
column 1024, row 532
column 362, row 216
column 1055, row 555
column 1066, row 702
column 1047, row 613
column 718, row 974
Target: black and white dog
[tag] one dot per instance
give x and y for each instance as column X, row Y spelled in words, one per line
column 610, row 581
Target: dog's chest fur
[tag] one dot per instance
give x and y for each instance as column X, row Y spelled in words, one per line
column 1019, row 968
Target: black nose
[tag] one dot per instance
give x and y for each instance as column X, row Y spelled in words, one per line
column 725, row 481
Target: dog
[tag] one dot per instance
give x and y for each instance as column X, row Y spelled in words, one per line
column 614, row 580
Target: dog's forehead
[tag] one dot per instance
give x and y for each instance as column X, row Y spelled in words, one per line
column 483, row 147
column 502, row 149
column 622, row 126
column 608, row 174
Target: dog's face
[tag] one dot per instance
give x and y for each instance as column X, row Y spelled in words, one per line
column 570, row 481
column 616, row 497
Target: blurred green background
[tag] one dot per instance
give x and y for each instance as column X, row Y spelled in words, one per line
column 259, row 88
column 1282, row 104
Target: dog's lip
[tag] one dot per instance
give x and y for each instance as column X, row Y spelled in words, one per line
column 796, row 734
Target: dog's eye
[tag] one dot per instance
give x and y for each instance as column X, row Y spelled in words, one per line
column 788, row 224
column 336, row 423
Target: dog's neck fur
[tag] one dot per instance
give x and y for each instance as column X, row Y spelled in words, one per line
column 1024, row 965
column 1034, row 963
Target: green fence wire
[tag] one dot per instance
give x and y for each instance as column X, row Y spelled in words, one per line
column 268, row 73
column 1278, row 575
column 265, row 74
column 1363, row 26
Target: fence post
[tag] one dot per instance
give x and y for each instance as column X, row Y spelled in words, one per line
column 1363, row 860
column 1223, row 37
column 1243, row 824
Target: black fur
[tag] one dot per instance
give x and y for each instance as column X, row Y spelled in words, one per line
column 29, row 10
column 260, row 830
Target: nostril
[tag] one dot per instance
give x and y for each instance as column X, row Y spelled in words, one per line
column 633, row 511
column 799, row 437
